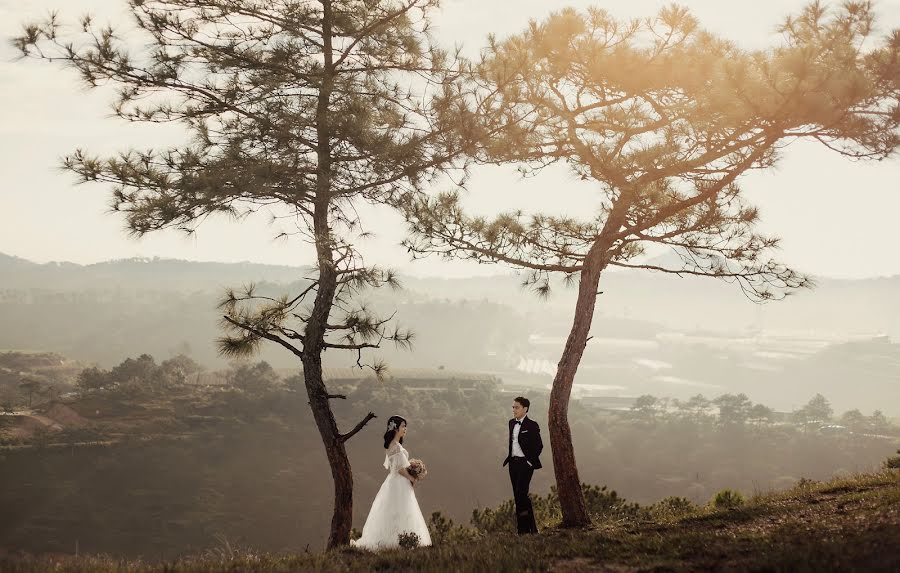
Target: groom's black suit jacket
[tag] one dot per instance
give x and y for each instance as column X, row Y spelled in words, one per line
column 529, row 441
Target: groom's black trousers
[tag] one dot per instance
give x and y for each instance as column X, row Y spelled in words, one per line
column 520, row 475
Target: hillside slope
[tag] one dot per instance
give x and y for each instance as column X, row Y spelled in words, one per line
column 844, row 525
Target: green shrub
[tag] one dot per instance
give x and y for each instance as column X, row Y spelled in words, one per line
column 727, row 499
column 409, row 540
column 602, row 505
column 501, row 519
column 893, row 462
column 443, row 530
column 805, row 483
column 672, row 507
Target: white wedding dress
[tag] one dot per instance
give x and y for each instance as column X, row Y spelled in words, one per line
column 395, row 509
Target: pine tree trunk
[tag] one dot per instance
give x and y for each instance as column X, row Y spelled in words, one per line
column 319, row 403
column 568, row 484
column 341, row 473
column 314, row 344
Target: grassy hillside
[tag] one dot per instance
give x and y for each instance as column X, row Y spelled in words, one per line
column 844, row 525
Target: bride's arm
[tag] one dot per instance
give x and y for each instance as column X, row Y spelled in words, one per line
column 404, row 473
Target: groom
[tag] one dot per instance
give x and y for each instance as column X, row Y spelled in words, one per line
column 525, row 446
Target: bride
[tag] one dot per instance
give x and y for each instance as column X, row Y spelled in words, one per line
column 395, row 509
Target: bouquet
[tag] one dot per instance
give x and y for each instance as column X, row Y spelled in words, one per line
column 417, row 469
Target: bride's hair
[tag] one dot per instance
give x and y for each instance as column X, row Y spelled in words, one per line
column 393, row 424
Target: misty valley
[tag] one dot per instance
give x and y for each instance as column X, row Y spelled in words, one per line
column 213, row 453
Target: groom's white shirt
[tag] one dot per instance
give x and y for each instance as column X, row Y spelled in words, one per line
column 516, row 448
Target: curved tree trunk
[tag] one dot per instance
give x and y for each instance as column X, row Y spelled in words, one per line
column 341, row 473
column 313, row 347
column 314, row 339
column 568, row 484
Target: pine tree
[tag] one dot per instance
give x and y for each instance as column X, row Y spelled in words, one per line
column 306, row 107
column 663, row 118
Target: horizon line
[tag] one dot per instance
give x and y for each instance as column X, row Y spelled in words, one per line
column 507, row 273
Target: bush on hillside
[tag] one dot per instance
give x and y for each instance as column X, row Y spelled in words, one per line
column 728, row 499
column 893, row 462
column 672, row 507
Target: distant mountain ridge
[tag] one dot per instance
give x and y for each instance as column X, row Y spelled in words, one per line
column 141, row 272
column 206, row 272
column 839, row 306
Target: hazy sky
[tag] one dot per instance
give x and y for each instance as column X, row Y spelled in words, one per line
column 836, row 217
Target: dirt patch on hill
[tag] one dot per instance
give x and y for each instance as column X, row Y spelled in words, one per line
column 66, row 416
column 58, row 417
column 24, row 427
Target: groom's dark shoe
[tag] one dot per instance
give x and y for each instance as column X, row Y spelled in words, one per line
column 525, row 523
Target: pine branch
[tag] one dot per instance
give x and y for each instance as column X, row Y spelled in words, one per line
column 262, row 334
column 350, row 346
column 359, row 426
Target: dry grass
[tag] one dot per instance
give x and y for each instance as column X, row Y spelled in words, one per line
column 849, row 524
